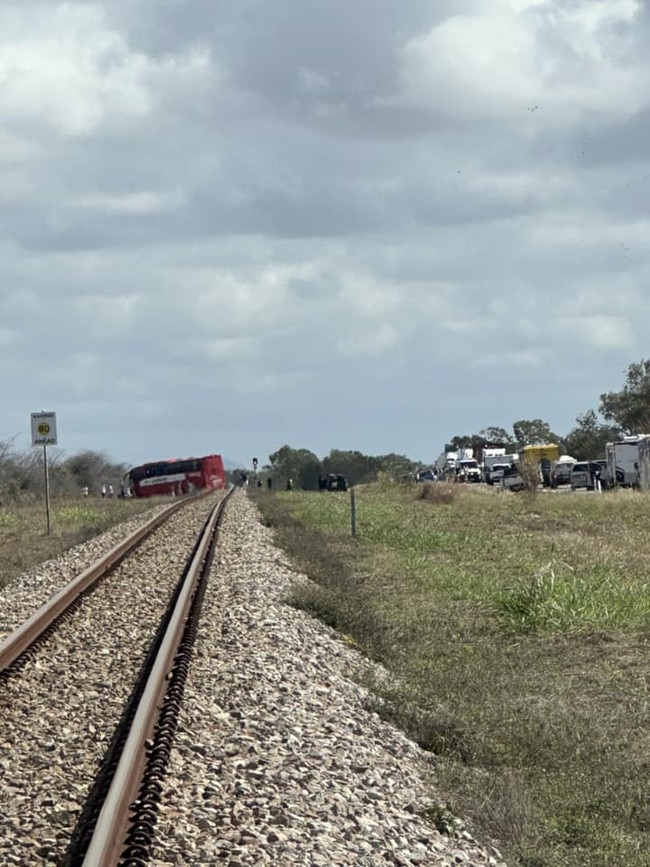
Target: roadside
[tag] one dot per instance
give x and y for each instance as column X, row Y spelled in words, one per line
column 516, row 628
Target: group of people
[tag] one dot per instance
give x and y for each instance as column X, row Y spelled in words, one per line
column 105, row 491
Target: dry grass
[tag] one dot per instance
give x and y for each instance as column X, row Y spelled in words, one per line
column 23, row 530
column 441, row 493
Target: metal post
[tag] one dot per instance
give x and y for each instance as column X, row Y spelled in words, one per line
column 47, row 489
column 353, row 512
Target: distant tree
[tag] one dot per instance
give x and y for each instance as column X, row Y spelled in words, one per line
column 490, row 434
column 88, row 469
column 589, row 437
column 495, row 435
column 397, row 466
column 629, row 408
column 533, row 432
column 295, row 464
column 459, row 442
column 308, row 474
column 354, row 465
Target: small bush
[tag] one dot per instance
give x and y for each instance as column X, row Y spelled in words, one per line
column 529, row 473
column 440, row 493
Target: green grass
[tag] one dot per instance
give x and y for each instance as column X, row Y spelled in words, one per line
column 23, row 529
column 517, row 628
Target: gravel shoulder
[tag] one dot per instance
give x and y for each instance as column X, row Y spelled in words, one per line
column 27, row 593
column 277, row 761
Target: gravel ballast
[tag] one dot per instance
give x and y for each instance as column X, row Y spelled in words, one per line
column 276, row 760
column 60, row 709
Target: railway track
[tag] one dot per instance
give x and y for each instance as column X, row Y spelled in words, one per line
column 91, row 686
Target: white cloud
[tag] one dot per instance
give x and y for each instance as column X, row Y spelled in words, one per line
column 549, row 64
column 319, row 199
column 64, row 67
column 136, row 204
column 605, row 332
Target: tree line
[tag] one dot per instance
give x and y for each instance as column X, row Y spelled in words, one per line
column 304, row 468
column 22, row 473
column 619, row 412
column 626, row 411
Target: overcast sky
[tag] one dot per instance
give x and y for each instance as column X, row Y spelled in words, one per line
column 356, row 224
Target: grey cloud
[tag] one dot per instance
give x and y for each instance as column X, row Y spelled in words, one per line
column 295, row 173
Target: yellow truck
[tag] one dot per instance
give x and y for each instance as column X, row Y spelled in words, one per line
column 543, row 456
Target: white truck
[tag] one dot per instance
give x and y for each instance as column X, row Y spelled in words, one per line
column 446, row 465
column 494, row 466
column 468, row 470
column 460, row 465
column 627, row 461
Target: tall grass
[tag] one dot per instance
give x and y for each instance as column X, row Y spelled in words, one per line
column 23, row 529
column 517, row 630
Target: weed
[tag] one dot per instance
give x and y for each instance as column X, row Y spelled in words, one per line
column 441, row 817
column 440, row 493
column 23, row 537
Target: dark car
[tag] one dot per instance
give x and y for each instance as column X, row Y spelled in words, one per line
column 585, row 474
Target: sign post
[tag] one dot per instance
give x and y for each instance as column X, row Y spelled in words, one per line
column 44, row 434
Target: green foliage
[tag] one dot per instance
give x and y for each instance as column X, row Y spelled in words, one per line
column 629, row 408
column 514, row 631
column 299, row 465
column 560, row 599
column 588, row 439
column 304, row 467
column 442, row 818
column 495, row 434
column 25, row 543
column 22, row 473
column 533, row 432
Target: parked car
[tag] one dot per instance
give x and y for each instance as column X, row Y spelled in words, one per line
column 561, row 471
column 512, row 479
column 497, row 473
column 585, row 474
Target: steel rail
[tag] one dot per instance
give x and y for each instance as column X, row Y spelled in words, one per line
column 109, row 835
column 21, row 639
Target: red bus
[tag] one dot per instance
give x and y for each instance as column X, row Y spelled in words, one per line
column 176, row 477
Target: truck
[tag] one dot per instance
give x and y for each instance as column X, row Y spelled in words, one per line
column 459, row 465
column 542, row 455
column 494, row 465
column 628, row 462
column 468, row 470
column 446, row 464
column 561, row 471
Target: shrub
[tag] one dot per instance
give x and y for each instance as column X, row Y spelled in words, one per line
column 440, row 493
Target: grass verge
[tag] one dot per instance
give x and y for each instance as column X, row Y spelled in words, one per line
column 517, row 627
column 23, row 531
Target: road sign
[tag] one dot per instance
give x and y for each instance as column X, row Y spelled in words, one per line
column 43, row 428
